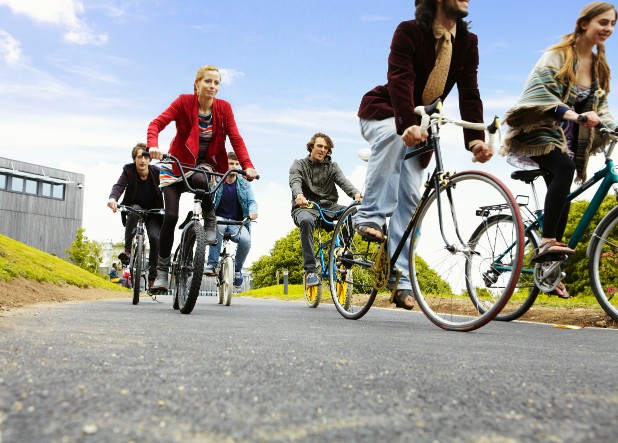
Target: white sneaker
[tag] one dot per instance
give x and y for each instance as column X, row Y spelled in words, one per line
column 209, row 270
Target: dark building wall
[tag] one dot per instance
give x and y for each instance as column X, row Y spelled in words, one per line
column 39, row 219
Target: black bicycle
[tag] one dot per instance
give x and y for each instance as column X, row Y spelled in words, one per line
column 447, row 266
column 187, row 265
column 137, row 263
column 225, row 266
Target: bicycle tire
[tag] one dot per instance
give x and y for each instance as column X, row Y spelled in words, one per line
column 136, row 265
column 437, row 272
column 313, row 294
column 174, row 266
column 226, row 285
column 350, row 261
column 603, row 263
column 494, row 235
column 191, row 266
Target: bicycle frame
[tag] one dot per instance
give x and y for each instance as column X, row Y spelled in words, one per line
column 322, row 246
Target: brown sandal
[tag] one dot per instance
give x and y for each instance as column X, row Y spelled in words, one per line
column 400, row 297
column 551, row 250
column 561, row 291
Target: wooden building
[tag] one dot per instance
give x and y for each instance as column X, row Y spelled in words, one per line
column 40, row 206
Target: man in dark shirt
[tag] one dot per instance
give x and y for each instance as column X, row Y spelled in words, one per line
column 428, row 56
column 313, row 178
column 139, row 182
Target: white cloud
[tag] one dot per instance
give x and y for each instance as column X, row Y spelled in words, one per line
column 10, row 49
column 229, row 75
column 62, row 13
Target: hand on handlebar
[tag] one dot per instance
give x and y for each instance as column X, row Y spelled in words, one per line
column 253, row 216
column 482, row 152
column 155, row 153
column 589, row 119
column 250, row 174
column 113, row 204
column 413, row 135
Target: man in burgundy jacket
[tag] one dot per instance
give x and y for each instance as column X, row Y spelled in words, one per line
column 389, row 124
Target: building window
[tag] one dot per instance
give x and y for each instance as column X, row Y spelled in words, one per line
column 17, row 184
column 46, row 189
column 31, row 186
column 58, row 192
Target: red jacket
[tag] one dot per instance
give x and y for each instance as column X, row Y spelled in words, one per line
column 186, row 143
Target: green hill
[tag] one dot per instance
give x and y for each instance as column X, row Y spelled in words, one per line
column 19, row 260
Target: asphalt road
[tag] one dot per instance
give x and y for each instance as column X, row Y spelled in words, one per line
column 277, row 371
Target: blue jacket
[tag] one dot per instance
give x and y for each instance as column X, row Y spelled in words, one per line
column 245, row 197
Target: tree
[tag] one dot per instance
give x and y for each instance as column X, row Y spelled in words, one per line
column 85, row 253
column 576, row 267
column 285, row 254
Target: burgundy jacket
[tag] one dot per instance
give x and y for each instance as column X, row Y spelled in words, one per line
column 412, row 57
column 186, row 144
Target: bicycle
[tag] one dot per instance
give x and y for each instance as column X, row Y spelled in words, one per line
column 442, row 253
column 137, row 262
column 602, row 248
column 225, row 266
column 187, row 264
column 313, row 294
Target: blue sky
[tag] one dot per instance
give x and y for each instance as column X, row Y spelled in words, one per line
column 81, row 80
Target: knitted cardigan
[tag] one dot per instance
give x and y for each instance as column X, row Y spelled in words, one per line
column 532, row 126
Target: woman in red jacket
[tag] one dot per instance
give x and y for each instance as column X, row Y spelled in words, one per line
column 202, row 124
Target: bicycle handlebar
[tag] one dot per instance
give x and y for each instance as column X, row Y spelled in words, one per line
column 203, row 170
column 433, row 112
column 125, row 208
column 234, row 222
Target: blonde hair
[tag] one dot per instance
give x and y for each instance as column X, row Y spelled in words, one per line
column 567, row 45
column 201, row 73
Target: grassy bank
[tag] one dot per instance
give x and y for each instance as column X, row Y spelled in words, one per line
column 19, row 260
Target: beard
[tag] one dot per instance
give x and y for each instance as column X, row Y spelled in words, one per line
column 451, row 9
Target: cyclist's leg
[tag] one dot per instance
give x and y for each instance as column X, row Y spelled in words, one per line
column 200, row 181
column 383, row 172
column 306, row 220
column 409, row 194
column 130, row 226
column 171, row 196
column 244, row 245
column 153, row 227
column 215, row 249
column 556, row 211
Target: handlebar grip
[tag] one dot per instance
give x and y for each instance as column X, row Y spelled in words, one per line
column 425, row 120
column 493, row 128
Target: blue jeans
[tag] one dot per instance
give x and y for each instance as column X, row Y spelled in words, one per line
column 240, row 236
column 392, row 188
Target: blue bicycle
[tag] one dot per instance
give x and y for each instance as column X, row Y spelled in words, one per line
column 341, row 292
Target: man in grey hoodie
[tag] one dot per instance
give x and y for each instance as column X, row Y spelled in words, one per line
column 313, row 178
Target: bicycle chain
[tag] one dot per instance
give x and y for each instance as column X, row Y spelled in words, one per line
column 381, row 267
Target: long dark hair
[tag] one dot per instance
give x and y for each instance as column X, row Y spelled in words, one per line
column 426, row 13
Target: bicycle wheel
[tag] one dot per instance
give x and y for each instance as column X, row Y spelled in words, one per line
column 490, row 267
column 603, row 263
column 226, row 280
column 313, row 294
column 174, row 266
column 135, row 268
column 191, row 266
column 350, row 264
column 440, row 250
